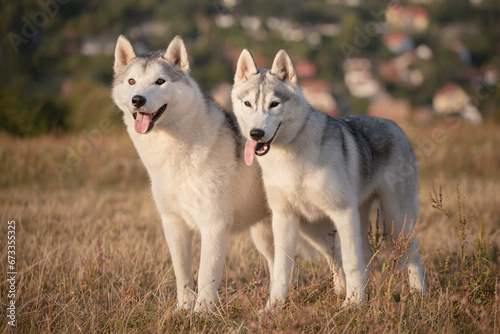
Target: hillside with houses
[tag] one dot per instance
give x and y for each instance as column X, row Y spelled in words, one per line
column 409, row 61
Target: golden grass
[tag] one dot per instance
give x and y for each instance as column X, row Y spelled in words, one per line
column 91, row 256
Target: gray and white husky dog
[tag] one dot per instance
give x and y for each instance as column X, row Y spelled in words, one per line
column 315, row 165
column 192, row 150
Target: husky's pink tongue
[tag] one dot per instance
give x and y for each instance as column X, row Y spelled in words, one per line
column 142, row 122
column 250, row 152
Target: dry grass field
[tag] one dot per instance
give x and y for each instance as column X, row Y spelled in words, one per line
column 91, row 256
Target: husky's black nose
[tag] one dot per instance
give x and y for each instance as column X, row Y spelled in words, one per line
column 257, row 134
column 138, row 101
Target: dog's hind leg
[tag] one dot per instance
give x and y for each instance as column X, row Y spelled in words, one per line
column 323, row 237
column 364, row 219
column 400, row 205
column 262, row 236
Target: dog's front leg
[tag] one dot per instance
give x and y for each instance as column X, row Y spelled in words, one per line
column 285, row 232
column 213, row 253
column 180, row 240
column 349, row 230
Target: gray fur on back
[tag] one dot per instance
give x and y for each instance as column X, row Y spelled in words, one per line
column 377, row 141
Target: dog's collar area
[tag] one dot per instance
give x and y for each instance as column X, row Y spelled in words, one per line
column 156, row 115
column 262, row 148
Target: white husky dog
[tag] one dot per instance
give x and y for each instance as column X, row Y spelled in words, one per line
column 192, row 151
column 317, row 166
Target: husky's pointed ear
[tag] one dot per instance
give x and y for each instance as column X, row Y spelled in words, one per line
column 246, row 67
column 124, row 52
column 176, row 54
column 283, row 67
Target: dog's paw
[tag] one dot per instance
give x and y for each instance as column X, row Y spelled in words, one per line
column 184, row 306
column 339, row 285
column 263, row 312
column 270, row 308
column 203, row 307
column 185, row 299
column 351, row 303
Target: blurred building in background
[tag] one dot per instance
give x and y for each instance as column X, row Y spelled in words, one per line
column 397, row 60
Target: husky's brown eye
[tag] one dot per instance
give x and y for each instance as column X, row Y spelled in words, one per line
column 248, row 104
column 160, row 82
column 131, row 81
column 274, row 104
